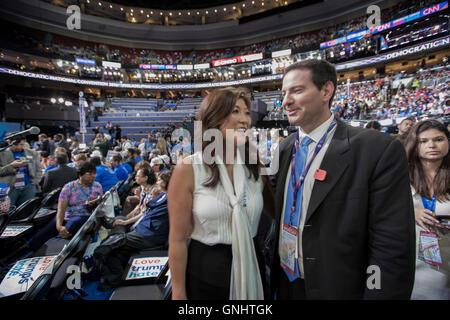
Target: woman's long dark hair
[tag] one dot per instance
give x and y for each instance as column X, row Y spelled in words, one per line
column 213, row 110
column 441, row 183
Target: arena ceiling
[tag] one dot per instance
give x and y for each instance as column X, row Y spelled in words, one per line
column 173, row 5
column 194, row 4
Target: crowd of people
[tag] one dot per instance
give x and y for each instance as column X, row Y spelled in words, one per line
column 59, row 47
column 342, row 202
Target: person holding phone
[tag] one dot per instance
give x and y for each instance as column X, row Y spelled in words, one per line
column 20, row 168
column 75, row 202
column 427, row 147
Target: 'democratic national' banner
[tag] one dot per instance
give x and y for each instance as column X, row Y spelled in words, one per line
column 23, row 274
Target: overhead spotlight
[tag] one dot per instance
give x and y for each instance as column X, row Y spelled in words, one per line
column 121, row 9
column 262, row 3
column 110, row 6
column 52, row 100
column 215, row 10
column 224, row 9
column 142, row 11
column 132, row 10
column 253, row 2
column 206, row 12
column 148, row 16
column 198, row 12
column 131, row 13
column 179, row 13
column 189, row 13
column 170, row 13
column 151, row 12
column 88, row 1
column 243, row 5
column 234, row 8
column 160, row 13
column 100, row 4
column 60, row 100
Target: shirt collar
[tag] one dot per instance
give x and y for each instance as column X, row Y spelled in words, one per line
column 318, row 132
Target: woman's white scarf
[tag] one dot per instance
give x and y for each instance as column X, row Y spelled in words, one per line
column 245, row 281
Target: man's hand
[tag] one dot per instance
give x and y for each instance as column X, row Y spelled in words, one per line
column 19, row 163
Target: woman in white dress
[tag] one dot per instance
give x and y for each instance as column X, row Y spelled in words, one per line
column 215, row 208
column 427, row 148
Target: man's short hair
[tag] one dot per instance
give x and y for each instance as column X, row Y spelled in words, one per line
column 321, row 72
column 61, row 158
column 117, row 158
column 408, row 118
column 96, row 161
column 131, row 151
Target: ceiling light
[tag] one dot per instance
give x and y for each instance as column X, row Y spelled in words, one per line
column 224, row 9
column 110, row 6
column 142, row 11
column 100, row 4
column 121, row 9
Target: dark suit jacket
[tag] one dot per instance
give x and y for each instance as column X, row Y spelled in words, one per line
column 360, row 215
column 58, row 177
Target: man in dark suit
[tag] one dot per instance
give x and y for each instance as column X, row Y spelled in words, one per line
column 344, row 219
column 59, row 176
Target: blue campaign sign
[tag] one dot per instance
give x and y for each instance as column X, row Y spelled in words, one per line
column 85, row 61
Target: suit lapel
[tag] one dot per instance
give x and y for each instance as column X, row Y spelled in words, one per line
column 334, row 163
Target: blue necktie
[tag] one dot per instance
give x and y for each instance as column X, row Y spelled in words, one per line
column 300, row 162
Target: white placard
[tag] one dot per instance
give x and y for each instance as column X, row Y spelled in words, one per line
column 142, row 268
column 23, row 274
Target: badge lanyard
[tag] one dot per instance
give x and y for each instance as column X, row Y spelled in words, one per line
column 429, row 204
column 429, row 250
column 296, row 186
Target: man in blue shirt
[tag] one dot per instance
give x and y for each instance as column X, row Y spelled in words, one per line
column 119, row 169
column 105, row 176
column 151, row 232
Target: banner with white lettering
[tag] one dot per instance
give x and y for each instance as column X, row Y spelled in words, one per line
column 23, row 274
column 142, row 268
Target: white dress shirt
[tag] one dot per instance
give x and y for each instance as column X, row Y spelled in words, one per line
column 308, row 184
